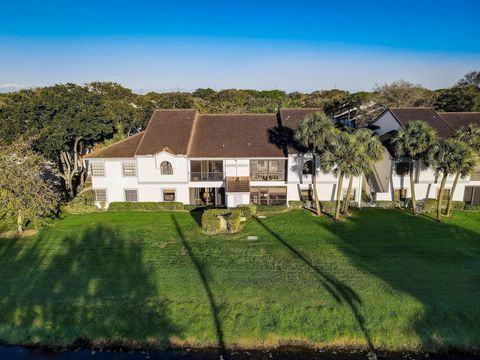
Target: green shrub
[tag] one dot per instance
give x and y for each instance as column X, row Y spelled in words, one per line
column 81, row 204
column 469, row 207
column 146, row 206
column 430, row 205
column 296, row 204
column 328, row 206
column 234, row 220
column 248, row 210
column 271, row 208
column 211, row 222
column 387, row 204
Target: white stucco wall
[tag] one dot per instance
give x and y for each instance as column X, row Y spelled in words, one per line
column 386, row 122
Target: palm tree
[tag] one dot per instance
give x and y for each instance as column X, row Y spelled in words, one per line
column 312, row 134
column 338, row 157
column 413, row 142
column 447, row 157
column 470, row 136
column 368, row 150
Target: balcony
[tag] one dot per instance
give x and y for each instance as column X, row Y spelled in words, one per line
column 207, row 176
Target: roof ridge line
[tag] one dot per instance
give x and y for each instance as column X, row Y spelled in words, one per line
column 236, row 114
column 459, row 112
column 445, row 121
column 146, row 129
column 192, row 132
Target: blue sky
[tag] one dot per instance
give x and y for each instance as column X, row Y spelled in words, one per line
column 290, row 45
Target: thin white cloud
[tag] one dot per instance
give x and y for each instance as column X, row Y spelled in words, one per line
column 11, row 87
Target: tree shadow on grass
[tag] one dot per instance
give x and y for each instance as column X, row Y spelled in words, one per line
column 437, row 264
column 203, row 277
column 342, row 293
column 93, row 286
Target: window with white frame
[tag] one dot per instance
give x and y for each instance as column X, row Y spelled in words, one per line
column 129, row 169
column 98, row 169
column 131, row 195
column 166, row 168
column 168, row 195
column 100, row 195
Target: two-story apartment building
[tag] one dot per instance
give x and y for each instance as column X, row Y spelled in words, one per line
column 389, row 178
column 210, row 159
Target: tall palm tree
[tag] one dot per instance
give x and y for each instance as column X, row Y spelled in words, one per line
column 447, row 157
column 312, row 134
column 338, row 157
column 368, row 151
column 471, row 136
column 413, row 142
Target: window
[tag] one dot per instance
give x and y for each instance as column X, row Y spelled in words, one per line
column 308, row 167
column 268, row 195
column 129, row 169
column 166, row 168
column 400, row 195
column 472, row 195
column 206, row 170
column 446, row 194
column 168, row 195
column 131, row 195
column 267, row 170
column 98, row 169
column 100, row 195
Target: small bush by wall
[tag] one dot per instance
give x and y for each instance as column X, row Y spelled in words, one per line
column 386, row 204
column 469, row 207
column 145, row 206
column 248, row 210
column 271, row 208
column 296, row 204
column 328, row 206
column 430, row 205
column 81, row 204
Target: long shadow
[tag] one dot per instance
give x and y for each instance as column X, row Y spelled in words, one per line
column 339, row 291
column 211, row 298
column 436, row 264
column 89, row 285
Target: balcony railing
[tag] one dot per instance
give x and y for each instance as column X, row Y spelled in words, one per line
column 264, row 176
column 208, row 176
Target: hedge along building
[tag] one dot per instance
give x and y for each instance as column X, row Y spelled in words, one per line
column 389, row 177
column 211, row 159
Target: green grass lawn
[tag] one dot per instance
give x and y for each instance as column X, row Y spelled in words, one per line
column 381, row 277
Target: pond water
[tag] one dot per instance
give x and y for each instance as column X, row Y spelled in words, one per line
column 23, row 353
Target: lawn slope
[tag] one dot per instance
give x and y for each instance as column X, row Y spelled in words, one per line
column 382, row 278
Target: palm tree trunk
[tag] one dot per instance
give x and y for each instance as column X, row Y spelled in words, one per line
column 450, row 198
column 412, row 190
column 440, row 196
column 346, row 203
column 339, row 194
column 314, row 182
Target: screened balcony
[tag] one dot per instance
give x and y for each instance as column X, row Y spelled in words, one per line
column 206, row 170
